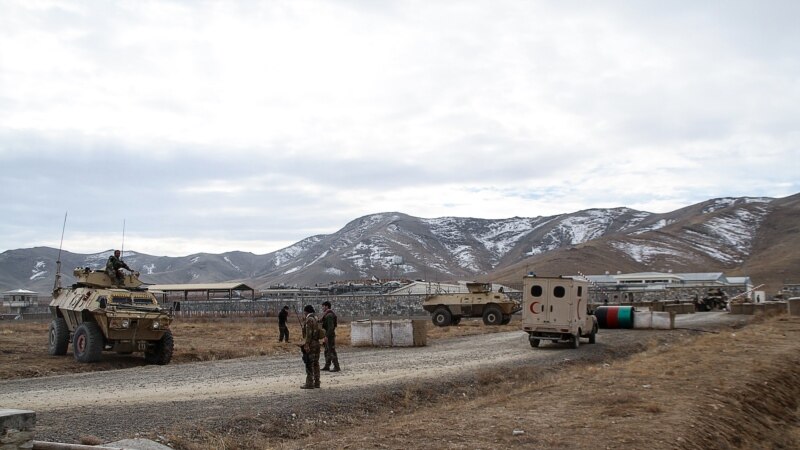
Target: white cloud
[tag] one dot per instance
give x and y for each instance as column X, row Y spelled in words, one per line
column 294, row 117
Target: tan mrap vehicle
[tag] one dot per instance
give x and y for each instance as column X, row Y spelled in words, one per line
column 95, row 315
column 496, row 308
column 556, row 309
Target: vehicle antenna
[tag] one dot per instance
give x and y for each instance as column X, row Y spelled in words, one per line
column 57, row 284
column 122, row 249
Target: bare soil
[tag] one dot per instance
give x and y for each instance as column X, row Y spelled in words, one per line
column 719, row 382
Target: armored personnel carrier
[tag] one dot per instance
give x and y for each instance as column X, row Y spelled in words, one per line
column 98, row 313
column 495, row 308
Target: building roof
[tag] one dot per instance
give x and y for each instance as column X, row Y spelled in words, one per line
column 425, row 287
column 200, row 287
column 20, row 292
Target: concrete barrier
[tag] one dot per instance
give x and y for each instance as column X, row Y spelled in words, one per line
column 16, row 429
column 388, row 333
column 382, row 333
column 655, row 320
column 663, row 320
column 737, row 308
column 776, row 307
column 409, row 333
column 682, row 308
column 361, row 333
column 793, row 305
column 643, row 320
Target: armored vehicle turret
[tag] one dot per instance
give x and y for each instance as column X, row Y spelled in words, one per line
column 99, row 313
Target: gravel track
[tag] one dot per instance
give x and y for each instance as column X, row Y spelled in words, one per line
column 121, row 403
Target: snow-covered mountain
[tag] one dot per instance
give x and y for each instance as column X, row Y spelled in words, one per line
column 720, row 234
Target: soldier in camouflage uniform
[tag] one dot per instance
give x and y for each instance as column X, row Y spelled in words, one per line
column 329, row 323
column 311, row 335
column 114, row 267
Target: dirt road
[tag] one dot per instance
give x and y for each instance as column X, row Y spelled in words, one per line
column 118, row 404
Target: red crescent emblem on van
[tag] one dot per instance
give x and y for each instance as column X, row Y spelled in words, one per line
column 531, row 307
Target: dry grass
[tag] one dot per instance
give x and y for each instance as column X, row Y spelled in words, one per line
column 736, row 389
column 23, row 345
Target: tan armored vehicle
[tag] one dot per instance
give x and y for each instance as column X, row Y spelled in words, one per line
column 556, row 309
column 97, row 314
column 496, row 308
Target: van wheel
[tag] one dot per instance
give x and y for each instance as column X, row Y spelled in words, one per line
column 442, row 317
column 492, row 316
column 59, row 337
column 534, row 342
column 87, row 345
column 593, row 336
column 576, row 340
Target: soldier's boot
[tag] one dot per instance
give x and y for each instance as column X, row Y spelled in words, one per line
column 306, row 386
column 327, row 367
column 335, row 364
column 316, row 383
column 309, row 383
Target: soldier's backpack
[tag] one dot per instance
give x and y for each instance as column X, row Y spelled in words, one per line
column 318, row 333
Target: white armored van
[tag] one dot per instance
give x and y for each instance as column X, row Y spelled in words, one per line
column 556, row 309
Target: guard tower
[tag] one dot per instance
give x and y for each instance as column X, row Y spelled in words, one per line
column 17, row 301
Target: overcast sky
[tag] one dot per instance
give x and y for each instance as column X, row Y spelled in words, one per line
column 243, row 125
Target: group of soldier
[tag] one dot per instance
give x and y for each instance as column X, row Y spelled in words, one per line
column 314, row 330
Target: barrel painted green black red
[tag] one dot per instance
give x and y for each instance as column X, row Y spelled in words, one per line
column 614, row 316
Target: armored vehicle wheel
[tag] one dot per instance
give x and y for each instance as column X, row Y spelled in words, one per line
column 576, row 340
column 161, row 352
column 492, row 316
column 506, row 319
column 87, row 345
column 593, row 336
column 442, row 317
column 455, row 320
column 59, row 337
column 534, row 342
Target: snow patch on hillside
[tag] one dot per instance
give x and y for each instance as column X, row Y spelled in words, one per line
column 503, row 236
column 643, row 253
column 588, row 227
column 324, row 254
column 149, row 269
column 228, row 260
column 722, row 203
column 334, row 271
column 704, row 244
column 287, row 254
column 194, row 260
column 656, row 226
column 38, row 270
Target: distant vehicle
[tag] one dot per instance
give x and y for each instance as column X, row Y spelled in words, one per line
column 715, row 298
column 95, row 314
column 495, row 308
column 556, row 309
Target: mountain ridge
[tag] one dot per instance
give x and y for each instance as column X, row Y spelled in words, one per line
column 735, row 235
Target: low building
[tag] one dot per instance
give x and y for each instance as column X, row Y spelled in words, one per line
column 632, row 287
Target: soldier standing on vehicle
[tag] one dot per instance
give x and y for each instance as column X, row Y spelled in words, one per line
column 114, row 267
column 282, row 327
column 311, row 335
column 329, row 325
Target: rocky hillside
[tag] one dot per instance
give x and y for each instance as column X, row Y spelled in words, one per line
column 756, row 236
